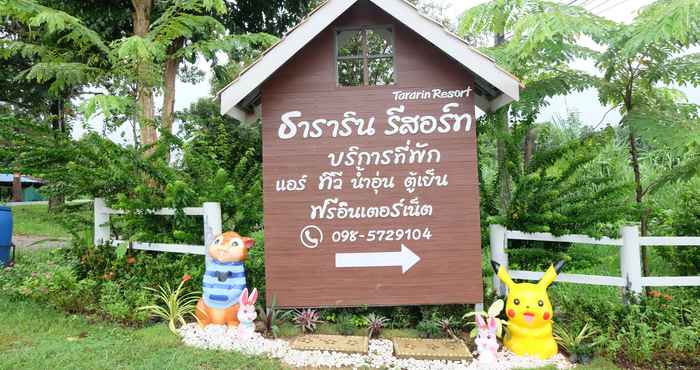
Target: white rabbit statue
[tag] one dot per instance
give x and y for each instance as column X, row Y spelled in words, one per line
column 486, row 342
column 246, row 313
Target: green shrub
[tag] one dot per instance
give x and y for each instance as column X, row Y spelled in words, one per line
column 122, row 304
column 112, row 301
column 650, row 332
column 49, row 279
column 255, row 265
column 429, row 328
column 345, row 325
column 399, row 317
column 684, row 220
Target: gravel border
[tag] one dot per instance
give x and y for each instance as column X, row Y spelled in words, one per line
column 218, row 337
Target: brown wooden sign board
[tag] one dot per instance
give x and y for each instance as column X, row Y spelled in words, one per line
column 371, row 194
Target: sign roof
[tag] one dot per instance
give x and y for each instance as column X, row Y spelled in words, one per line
column 240, row 98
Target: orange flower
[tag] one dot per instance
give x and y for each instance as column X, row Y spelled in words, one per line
column 131, row 260
column 186, row 278
column 655, row 294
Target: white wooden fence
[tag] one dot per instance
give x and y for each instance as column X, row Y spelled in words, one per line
column 212, row 227
column 630, row 244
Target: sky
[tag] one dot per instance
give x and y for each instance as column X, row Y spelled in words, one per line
column 585, row 102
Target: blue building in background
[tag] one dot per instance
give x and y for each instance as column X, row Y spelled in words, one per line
column 24, row 190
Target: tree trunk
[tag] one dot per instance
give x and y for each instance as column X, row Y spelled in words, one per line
column 639, row 197
column 171, row 66
column 58, row 121
column 528, row 147
column 17, row 187
column 58, row 124
column 142, row 21
column 503, row 174
column 499, row 39
column 504, row 179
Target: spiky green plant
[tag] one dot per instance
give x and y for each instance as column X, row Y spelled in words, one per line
column 174, row 305
column 448, row 326
column 579, row 346
column 271, row 316
column 375, row 323
column 307, row 320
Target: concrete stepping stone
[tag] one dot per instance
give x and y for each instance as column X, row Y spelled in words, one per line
column 431, row 349
column 336, row 343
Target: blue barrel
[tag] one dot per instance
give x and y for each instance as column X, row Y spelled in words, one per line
column 5, row 234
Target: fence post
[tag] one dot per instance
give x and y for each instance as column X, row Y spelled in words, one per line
column 102, row 230
column 212, row 222
column 497, row 237
column 630, row 259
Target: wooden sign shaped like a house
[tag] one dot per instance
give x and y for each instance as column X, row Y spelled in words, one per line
column 371, row 191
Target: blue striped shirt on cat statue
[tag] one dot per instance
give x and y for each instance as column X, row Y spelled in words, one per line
column 224, row 280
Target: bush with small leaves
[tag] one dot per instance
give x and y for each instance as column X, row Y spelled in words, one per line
column 429, row 328
column 344, row 324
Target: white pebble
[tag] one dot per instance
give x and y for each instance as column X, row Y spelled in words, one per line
column 380, row 354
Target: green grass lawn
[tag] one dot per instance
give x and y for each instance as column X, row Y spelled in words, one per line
column 597, row 364
column 35, row 220
column 35, row 337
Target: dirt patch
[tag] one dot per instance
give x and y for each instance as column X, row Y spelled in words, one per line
column 26, row 242
column 9, row 341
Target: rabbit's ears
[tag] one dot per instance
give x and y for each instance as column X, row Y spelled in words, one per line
column 245, row 300
column 492, row 323
column 480, row 321
column 482, row 324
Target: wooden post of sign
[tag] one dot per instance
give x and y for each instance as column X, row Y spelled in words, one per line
column 212, row 222
column 630, row 259
column 497, row 236
column 101, row 216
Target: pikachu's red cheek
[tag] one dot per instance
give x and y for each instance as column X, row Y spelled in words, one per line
column 511, row 313
column 546, row 316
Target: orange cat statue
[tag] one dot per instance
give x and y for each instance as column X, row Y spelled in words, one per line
column 224, row 280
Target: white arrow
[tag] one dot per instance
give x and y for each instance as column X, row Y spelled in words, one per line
column 405, row 258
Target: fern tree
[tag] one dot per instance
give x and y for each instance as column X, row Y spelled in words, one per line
column 65, row 53
column 641, row 60
column 58, row 53
column 536, row 40
column 568, row 189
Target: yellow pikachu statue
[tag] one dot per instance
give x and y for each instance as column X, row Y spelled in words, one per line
column 529, row 314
